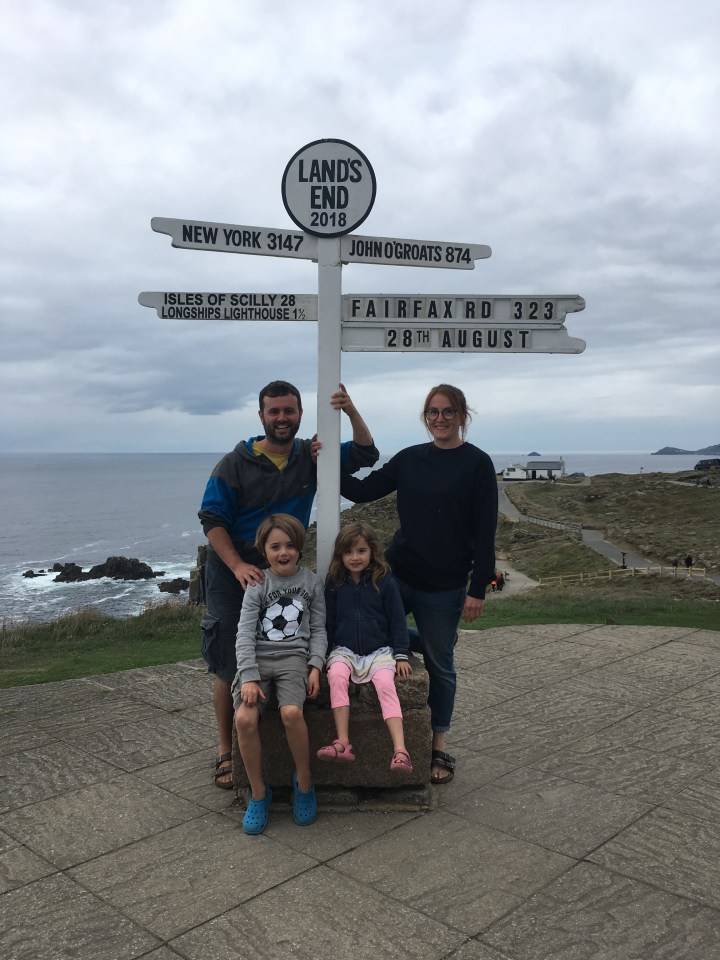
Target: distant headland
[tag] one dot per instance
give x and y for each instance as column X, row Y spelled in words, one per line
column 714, row 450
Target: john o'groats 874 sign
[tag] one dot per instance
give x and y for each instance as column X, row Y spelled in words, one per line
column 328, row 188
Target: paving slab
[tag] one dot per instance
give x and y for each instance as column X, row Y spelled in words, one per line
column 111, row 708
column 540, row 723
column 561, row 815
column 667, row 849
column 18, row 865
column 700, row 799
column 183, row 877
column 55, row 917
column 143, row 742
column 590, row 914
column 32, row 775
column 538, row 667
column 704, row 638
column 331, row 835
column 474, row 950
column 627, row 771
column 173, row 686
column 190, row 777
column 664, row 734
column 645, row 678
column 631, row 639
column 701, row 701
column 473, row 770
column 31, row 702
column 456, row 871
column 302, row 919
column 113, row 814
column 18, row 735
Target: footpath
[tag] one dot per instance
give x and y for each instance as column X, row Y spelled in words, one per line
column 594, row 539
column 583, row 820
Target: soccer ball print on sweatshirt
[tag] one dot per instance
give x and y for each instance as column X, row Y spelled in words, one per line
column 282, row 618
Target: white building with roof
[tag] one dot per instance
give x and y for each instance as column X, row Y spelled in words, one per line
column 535, row 470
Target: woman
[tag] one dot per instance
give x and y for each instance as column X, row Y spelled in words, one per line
column 447, row 505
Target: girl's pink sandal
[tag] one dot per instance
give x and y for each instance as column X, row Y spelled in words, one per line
column 401, row 761
column 338, row 750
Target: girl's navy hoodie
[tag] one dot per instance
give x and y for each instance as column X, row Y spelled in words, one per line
column 363, row 618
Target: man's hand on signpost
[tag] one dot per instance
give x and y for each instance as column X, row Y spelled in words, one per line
column 315, row 448
column 340, row 400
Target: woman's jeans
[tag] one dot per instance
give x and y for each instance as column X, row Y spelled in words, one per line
column 437, row 615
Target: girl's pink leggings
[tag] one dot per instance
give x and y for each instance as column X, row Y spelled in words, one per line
column 383, row 680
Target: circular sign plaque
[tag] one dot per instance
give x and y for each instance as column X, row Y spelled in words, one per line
column 328, row 188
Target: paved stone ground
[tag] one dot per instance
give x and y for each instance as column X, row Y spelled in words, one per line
column 583, row 821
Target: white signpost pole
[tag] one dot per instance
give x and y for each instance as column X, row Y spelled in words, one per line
column 328, row 420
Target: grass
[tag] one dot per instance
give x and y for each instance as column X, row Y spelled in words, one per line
column 654, row 516
column 88, row 642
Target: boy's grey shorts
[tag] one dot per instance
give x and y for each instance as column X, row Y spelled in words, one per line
column 285, row 674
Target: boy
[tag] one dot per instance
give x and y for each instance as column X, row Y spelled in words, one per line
column 281, row 643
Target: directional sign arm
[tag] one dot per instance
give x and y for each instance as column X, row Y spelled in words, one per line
column 412, row 253
column 408, row 337
column 236, row 238
column 537, row 310
column 231, row 306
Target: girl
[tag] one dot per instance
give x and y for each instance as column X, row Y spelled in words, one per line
column 367, row 638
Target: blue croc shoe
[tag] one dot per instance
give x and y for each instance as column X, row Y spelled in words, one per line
column 256, row 815
column 304, row 804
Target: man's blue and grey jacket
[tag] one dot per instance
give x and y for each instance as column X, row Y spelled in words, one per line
column 244, row 489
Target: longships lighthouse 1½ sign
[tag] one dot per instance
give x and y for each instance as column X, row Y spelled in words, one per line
column 328, row 189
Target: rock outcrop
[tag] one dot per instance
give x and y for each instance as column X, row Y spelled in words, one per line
column 117, row 568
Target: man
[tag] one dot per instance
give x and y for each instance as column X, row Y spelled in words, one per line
column 271, row 473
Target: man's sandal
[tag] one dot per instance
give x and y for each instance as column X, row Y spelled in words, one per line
column 256, row 815
column 223, row 770
column 401, row 760
column 304, row 804
column 443, row 760
column 340, row 750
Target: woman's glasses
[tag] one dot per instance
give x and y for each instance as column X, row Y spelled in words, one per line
column 432, row 413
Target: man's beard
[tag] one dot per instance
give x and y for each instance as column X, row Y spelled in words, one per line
column 286, row 437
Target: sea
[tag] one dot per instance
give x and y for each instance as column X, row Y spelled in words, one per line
column 83, row 508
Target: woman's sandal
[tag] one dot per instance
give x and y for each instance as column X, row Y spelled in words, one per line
column 304, row 804
column 340, row 750
column 223, row 770
column 401, row 760
column 441, row 759
column 256, row 815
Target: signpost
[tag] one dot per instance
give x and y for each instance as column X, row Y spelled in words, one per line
column 328, row 189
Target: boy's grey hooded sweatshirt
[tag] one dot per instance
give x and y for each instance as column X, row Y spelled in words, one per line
column 282, row 614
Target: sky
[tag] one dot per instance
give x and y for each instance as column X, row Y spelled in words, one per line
column 579, row 141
